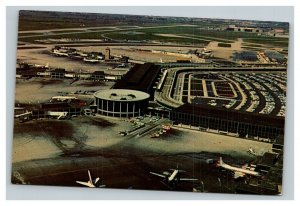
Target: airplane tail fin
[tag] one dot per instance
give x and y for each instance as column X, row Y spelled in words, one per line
column 97, row 180
column 220, row 162
column 90, row 177
column 177, row 168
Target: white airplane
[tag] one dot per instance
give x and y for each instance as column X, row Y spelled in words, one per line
column 90, row 60
column 58, row 115
column 237, row 172
column 173, row 175
column 91, row 182
column 59, row 53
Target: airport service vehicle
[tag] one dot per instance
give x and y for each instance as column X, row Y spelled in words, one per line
column 91, row 182
column 41, row 66
column 237, row 172
column 62, row 98
column 173, row 176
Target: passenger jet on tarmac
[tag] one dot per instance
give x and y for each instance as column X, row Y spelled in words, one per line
column 91, row 182
column 173, row 176
column 238, row 172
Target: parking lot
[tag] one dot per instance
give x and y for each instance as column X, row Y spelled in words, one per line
column 260, row 92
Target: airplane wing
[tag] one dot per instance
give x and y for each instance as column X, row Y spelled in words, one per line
column 96, row 180
column 181, row 171
column 88, row 184
column 159, row 175
column 188, row 179
column 90, row 177
column 238, row 174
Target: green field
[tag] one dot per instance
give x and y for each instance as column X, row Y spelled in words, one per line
column 47, row 33
column 29, row 34
column 85, row 35
column 64, row 31
column 198, row 31
column 191, row 35
column 271, row 41
column 152, row 37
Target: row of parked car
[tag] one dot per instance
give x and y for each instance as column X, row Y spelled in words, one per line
column 253, row 95
column 277, row 82
column 269, row 86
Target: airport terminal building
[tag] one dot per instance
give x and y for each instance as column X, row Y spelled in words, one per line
column 121, row 102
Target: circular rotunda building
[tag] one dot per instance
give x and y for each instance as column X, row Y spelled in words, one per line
column 121, row 102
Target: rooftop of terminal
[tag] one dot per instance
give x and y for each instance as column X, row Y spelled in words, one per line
column 121, row 95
